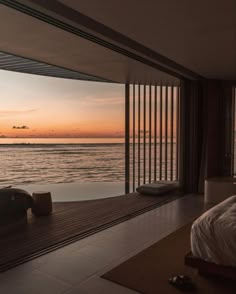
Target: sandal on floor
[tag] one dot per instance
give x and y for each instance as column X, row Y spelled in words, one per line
column 183, row 283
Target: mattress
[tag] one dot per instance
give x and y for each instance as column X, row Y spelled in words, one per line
column 213, row 234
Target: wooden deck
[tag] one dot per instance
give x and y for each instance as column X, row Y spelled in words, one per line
column 71, row 221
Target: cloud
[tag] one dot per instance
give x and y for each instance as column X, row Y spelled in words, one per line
column 20, row 128
column 16, row 112
column 103, row 101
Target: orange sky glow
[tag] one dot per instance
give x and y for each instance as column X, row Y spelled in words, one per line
column 44, row 107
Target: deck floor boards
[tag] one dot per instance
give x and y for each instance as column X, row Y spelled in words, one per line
column 71, row 221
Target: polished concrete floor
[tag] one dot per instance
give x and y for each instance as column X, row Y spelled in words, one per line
column 76, row 268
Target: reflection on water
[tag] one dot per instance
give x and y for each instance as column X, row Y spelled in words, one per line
column 73, row 168
column 61, row 163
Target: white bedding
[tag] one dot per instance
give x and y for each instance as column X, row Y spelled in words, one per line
column 213, row 234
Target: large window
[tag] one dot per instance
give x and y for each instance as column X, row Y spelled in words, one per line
column 65, row 136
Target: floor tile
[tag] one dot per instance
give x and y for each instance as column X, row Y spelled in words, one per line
column 35, row 282
column 96, row 285
column 76, row 268
column 71, row 268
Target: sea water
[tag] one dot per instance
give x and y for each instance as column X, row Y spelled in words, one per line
column 71, row 168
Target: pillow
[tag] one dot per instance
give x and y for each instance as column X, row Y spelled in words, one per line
column 158, row 188
column 14, row 201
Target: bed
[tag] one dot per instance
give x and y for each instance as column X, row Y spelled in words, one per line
column 213, row 239
column 213, row 234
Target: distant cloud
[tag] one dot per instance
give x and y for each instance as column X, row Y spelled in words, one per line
column 20, row 128
column 119, row 133
column 16, row 112
column 103, row 101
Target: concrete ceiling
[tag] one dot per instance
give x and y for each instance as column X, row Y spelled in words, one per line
column 26, row 36
column 200, row 35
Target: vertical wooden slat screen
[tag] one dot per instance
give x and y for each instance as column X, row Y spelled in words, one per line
column 155, row 134
column 171, row 132
column 144, row 134
column 177, row 130
column 139, row 132
column 150, row 136
column 154, row 116
column 166, row 132
column 127, row 138
column 134, row 112
column 160, row 138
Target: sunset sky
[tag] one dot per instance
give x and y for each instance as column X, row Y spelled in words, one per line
column 35, row 106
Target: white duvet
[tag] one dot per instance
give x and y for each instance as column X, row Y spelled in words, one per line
column 213, row 234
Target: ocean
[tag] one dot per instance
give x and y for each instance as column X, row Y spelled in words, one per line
column 72, row 169
column 45, row 163
column 95, row 166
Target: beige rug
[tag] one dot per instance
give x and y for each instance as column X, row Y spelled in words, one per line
column 149, row 271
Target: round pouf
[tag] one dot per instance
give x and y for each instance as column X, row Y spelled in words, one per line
column 42, row 203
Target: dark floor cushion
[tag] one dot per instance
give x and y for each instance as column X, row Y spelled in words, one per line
column 14, row 202
column 158, row 188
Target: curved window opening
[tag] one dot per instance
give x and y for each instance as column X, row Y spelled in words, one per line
column 63, row 136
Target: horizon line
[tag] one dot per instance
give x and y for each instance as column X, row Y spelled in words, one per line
column 5, row 137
